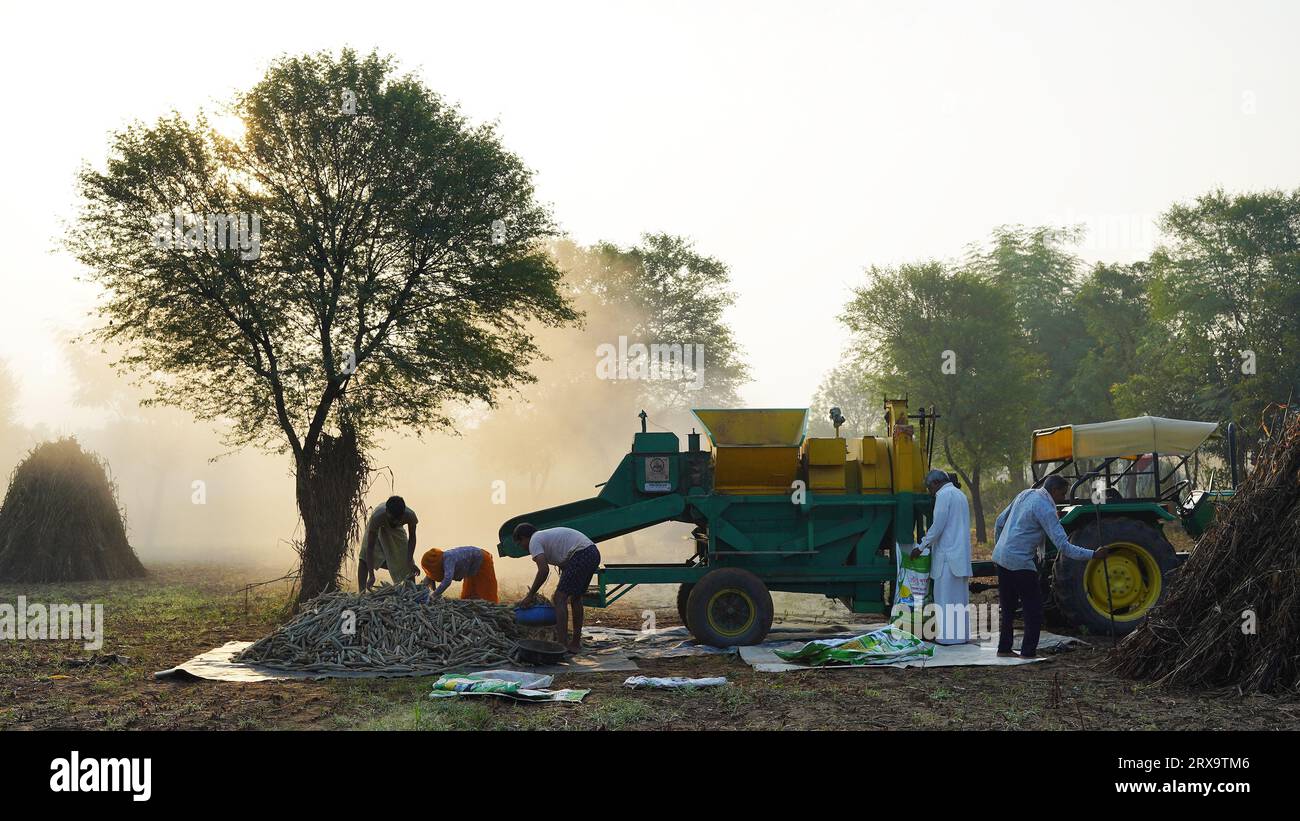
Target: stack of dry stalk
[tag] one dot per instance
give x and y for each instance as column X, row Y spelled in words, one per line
column 1232, row 617
column 60, row 521
column 394, row 629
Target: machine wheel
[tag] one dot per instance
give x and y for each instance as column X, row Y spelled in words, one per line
column 1140, row 569
column 729, row 607
column 683, row 595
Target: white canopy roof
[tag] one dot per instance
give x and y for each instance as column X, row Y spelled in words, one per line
column 1142, row 434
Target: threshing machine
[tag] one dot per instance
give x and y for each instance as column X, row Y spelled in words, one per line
column 773, row 510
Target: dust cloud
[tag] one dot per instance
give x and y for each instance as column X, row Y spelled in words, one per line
column 188, row 499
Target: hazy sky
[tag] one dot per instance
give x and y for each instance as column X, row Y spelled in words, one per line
column 798, row 142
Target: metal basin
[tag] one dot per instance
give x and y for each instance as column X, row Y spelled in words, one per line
column 535, row 651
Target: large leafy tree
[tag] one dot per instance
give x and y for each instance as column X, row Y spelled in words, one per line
column 949, row 337
column 401, row 268
column 1114, row 306
column 659, row 291
column 663, row 291
column 1225, row 296
column 1035, row 267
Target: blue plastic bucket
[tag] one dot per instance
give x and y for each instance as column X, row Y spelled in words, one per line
column 535, row 616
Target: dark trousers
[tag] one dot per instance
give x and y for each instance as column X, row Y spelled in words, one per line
column 1019, row 588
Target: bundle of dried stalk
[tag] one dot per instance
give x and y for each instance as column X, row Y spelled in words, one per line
column 60, row 520
column 1232, row 616
column 394, row 629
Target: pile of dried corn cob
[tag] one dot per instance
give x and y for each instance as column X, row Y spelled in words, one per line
column 394, row 629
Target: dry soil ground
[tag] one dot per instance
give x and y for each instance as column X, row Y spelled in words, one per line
column 183, row 610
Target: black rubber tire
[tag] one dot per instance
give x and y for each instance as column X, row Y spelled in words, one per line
column 1068, row 593
column 735, row 595
column 683, row 594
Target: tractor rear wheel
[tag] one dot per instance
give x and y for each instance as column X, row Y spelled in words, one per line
column 1139, row 565
column 683, row 595
column 729, row 607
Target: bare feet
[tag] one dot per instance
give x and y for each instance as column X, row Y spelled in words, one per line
column 1008, row 654
column 574, row 648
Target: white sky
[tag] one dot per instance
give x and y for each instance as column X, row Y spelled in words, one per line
column 797, row 143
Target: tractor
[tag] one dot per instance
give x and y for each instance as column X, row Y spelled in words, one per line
column 1128, row 479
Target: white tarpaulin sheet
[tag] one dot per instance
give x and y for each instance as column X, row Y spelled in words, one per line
column 218, row 665
column 1142, row 434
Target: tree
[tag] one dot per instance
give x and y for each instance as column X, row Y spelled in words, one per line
column 1115, row 308
column 662, row 291
column 848, row 387
column 1035, row 268
column 10, row 434
column 399, row 268
column 1225, row 294
column 950, row 338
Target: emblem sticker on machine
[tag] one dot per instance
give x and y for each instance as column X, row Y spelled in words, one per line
column 657, row 478
column 656, row 469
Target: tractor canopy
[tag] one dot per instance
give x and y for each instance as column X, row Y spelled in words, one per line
column 1122, row 438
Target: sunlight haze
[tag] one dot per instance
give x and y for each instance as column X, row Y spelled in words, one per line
column 797, row 145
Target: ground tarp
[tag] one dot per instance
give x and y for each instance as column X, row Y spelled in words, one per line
column 676, row 642
column 218, row 665
column 610, row 649
column 763, row 657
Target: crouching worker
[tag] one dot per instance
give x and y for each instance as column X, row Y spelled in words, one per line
column 577, row 558
column 389, row 543
column 471, row 566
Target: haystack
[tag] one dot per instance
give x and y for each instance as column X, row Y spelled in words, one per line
column 60, row 520
column 1232, row 616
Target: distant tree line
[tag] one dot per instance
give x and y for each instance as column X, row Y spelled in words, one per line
column 1019, row 334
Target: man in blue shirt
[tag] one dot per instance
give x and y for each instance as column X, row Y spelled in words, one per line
column 1019, row 533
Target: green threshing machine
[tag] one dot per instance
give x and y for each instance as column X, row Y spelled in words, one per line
column 775, row 510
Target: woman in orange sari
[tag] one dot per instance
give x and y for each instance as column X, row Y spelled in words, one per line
column 471, row 566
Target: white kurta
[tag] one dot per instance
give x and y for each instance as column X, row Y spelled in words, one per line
column 948, row 542
column 951, row 595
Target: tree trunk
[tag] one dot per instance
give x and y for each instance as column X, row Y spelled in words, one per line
column 981, row 533
column 972, row 481
column 330, row 485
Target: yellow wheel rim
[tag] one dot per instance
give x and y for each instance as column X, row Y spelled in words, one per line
column 731, row 612
column 1135, row 581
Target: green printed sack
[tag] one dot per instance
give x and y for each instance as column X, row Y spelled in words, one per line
column 913, row 580
column 473, row 684
column 888, row 645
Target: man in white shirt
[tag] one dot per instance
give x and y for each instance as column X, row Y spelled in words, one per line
column 577, row 558
column 948, row 544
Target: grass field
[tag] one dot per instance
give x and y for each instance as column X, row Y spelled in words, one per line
column 181, row 611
